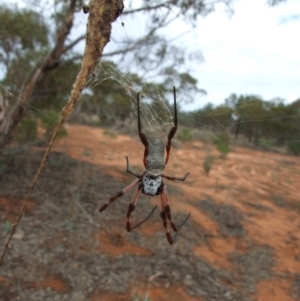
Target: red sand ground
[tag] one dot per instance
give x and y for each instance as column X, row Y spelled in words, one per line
column 255, row 177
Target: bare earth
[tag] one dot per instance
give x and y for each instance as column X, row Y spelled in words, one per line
column 242, row 241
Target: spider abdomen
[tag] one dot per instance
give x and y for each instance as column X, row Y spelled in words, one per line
column 155, row 161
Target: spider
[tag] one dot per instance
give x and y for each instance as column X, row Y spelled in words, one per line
column 150, row 182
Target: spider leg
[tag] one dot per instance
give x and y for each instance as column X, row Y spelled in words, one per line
column 144, row 219
column 175, row 236
column 168, row 234
column 141, row 134
column 164, row 195
column 173, row 129
column 175, row 178
column 119, row 194
column 131, row 208
column 166, row 213
column 130, row 171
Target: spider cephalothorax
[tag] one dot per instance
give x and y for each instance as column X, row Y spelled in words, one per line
column 150, row 182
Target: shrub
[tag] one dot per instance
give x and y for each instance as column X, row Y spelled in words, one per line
column 224, row 149
column 294, row 147
column 222, row 142
column 185, row 135
column 27, row 130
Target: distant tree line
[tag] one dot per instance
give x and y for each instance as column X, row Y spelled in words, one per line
column 249, row 116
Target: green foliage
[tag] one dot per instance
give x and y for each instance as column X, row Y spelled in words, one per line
column 185, row 135
column 24, row 39
column 26, row 130
column 21, row 30
column 267, row 124
column 222, row 139
column 222, row 142
column 294, row 147
column 224, row 149
column 50, row 121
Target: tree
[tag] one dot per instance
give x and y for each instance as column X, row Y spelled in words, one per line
column 49, row 59
column 35, row 46
column 43, row 55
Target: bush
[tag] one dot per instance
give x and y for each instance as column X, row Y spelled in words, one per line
column 224, row 149
column 222, row 142
column 185, row 135
column 294, row 147
column 27, row 130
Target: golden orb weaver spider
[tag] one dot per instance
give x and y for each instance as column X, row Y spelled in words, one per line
column 150, row 182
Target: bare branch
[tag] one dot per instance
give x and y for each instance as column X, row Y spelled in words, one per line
column 74, row 43
column 139, row 42
column 147, row 8
column 71, row 60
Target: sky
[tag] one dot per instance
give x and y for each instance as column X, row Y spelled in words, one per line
column 254, row 51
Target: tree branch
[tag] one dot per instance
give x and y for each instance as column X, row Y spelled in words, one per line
column 147, row 8
column 161, row 24
column 71, row 45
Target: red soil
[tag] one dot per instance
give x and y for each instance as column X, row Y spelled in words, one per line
column 245, row 176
